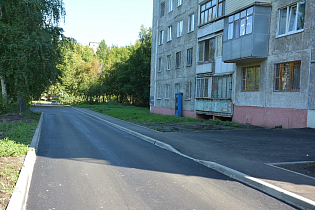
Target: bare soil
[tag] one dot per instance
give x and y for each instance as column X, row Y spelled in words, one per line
column 7, row 183
column 196, row 126
column 302, row 168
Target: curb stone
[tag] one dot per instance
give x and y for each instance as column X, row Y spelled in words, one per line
column 281, row 194
column 19, row 197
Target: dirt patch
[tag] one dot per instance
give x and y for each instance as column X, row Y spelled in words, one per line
column 196, row 126
column 302, row 168
column 10, row 168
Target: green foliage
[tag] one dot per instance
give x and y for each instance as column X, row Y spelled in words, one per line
column 217, row 121
column 227, row 123
column 16, row 138
column 11, row 148
column 235, row 125
column 29, row 49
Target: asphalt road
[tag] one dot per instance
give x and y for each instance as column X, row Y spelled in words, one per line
column 83, row 163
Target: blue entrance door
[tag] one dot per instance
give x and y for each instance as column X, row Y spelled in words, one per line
column 178, row 104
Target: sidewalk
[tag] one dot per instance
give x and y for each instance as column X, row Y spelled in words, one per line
column 242, row 154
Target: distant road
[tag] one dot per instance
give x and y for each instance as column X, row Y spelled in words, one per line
column 83, row 163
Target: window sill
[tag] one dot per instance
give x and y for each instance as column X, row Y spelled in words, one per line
column 294, row 32
column 168, row 69
column 158, row 99
column 188, row 99
column 159, row 71
column 286, row 91
column 177, row 67
column 169, row 41
column 249, row 90
column 166, row 99
column 190, row 31
column 189, row 65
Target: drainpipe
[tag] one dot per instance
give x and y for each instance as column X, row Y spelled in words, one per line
column 156, row 47
column 310, row 71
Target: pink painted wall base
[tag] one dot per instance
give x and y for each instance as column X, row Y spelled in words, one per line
column 169, row 111
column 270, row 117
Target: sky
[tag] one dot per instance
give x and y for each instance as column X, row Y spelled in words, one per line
column 118, row 22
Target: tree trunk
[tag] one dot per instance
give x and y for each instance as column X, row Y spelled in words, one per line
column 4, row 91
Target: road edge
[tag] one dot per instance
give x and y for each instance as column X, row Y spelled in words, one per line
column 19, row 196
column 272, row 190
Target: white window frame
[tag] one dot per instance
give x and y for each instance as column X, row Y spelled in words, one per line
column 169, row 62
column 191, row 23
column 162, row 12
column 180, row 2
column 189, row 56
column 170, row 6
column 235, row 26
column 202, row 87
column 158, row 92
column 169, row 33
column 167, row 91
column 188, row 91
column 288, row 19
column 178, row 60
column 160, row 64
column 180, row 28
column 161, row 35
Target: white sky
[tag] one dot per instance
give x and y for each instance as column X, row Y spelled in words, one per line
column 116, row 21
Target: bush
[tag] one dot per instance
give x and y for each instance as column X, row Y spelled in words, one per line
column 227, row 123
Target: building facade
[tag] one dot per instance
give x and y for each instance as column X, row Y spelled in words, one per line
column 254, row 61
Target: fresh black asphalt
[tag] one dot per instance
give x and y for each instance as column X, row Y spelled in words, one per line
column 83, row 163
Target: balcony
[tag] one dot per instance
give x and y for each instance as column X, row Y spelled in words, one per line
column 246, row 35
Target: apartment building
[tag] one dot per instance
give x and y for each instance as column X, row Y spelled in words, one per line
column 173, row 61
column 254, row 62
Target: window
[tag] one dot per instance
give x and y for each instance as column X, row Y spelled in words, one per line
column 191, row 21
column 170, row 6
column 160, row 64
column 178, row 54
column 180, row 2
column 291, row 18
column 287, row 76
column 189, row 56
column 162, row 9
column 211, row 10
column 161, row 35
column 169, row 33
column 188, row 91
column 167, row 91
column 168, row 62
column 158, row 92
column 202, row 88
column 221, row 86
column 250, row 78
column 179, row 28
column 206, row 50
column 219, row 46
column 241, row 23
column 177, row 88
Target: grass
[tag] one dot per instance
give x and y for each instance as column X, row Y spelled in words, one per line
column 16, row 137
column 134, row 114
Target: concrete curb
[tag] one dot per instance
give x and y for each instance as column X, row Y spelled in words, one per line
column 281, row 194
column 19, row 197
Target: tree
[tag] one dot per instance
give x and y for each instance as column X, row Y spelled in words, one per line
column 29, row 52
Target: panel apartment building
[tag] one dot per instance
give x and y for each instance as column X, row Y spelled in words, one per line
column 250, row 61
